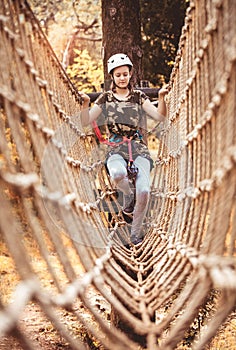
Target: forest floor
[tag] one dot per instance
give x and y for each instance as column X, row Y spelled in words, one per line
column 34, row 324
column 41, row 332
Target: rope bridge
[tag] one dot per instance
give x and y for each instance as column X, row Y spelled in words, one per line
column 57, row 199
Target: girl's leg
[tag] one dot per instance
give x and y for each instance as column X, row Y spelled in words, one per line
column 117, row 168
column 142, row 196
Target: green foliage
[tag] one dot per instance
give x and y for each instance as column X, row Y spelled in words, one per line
column 85, row 73
column 162, row 21
column 161, row 24
column 66, row 12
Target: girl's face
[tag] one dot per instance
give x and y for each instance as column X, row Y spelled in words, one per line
column 121, row 76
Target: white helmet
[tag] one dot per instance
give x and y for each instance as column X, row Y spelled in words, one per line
column 118, row 60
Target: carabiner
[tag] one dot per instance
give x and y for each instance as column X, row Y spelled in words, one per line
column 132, row 170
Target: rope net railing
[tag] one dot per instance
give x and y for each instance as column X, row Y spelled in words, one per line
column 57, row 199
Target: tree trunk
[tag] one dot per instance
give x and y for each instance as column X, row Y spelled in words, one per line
column 123, row 326
column 121, row 27
column 122, row 33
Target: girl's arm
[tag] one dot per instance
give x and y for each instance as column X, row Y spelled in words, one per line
column 88, row 115
column 160, row 112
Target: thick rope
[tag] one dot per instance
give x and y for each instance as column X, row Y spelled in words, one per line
column 56, row 194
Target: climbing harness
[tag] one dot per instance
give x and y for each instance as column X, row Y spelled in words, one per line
column 117, row 140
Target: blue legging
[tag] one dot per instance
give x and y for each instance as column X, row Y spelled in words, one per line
column 117, row 168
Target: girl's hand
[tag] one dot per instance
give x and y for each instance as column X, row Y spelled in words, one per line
column 85, row 99
column 163, row 91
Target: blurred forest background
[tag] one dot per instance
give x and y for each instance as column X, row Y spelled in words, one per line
column 74, row 30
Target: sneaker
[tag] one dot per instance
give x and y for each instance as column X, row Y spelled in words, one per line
column 136, row 240
column 128, row 210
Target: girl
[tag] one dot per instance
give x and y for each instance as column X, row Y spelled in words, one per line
column 124, row 109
